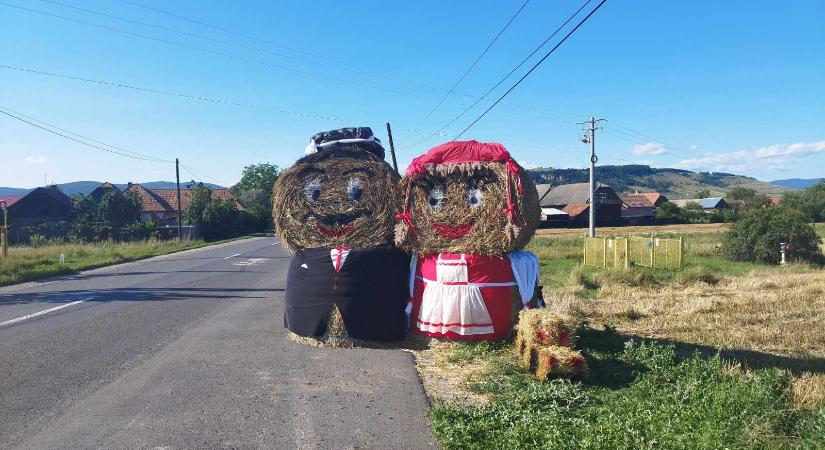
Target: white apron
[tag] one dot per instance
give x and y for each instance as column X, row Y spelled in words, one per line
column 452, row 304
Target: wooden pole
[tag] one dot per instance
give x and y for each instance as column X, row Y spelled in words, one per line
column 5, row 232
column 180, row 223
column 392, row 149
column 681, row 251
column 627, row 252
column 604, row 252
column 652, row 252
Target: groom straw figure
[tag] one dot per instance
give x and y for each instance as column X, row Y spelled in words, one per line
column 335, row 208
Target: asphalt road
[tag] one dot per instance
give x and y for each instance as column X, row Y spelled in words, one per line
column 189, row 351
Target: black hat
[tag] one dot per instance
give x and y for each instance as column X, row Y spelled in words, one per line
column 357, row 137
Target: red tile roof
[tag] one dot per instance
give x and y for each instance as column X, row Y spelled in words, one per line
column 166, row 200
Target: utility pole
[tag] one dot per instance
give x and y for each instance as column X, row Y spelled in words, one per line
column 5, row 232
column 590, row 138
column 392, row 149
column 180, row 223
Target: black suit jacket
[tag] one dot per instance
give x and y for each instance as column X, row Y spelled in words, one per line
column 371, row 290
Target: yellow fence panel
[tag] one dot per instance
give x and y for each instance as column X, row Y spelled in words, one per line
column 662, row 253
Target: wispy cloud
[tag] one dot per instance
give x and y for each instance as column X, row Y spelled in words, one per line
column 651, row 148
column 35, row 159
column 771, row 158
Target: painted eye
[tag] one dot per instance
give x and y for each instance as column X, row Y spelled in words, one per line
column 435, row 198
column 475, row 198
column 312, row 190
column 354, row 190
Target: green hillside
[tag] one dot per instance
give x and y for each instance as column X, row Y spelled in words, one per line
column 674, row 183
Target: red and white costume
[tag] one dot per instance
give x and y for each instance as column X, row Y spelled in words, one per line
column 466, row 296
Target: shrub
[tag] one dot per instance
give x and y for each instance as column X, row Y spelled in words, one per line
column 634, row 276
column 697, row 274
column 758, row 233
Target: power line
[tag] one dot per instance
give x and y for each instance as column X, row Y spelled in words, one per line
column 197, row 97
column 243, row 35
column 65, row 134
column 482, row 97
column 532, row 69
column 201, row 49
column 348, row 67
column 469, row 69
column 356, row 67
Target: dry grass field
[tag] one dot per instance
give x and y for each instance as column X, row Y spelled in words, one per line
column 637, row 230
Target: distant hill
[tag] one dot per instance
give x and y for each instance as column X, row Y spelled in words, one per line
column 674, row 183
column 797, row 183
column 84, row 187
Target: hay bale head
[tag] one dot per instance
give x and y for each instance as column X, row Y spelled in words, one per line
column 339, row 195
column 467, row 197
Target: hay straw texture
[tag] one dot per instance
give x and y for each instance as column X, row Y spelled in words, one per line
column 538, row 328
column 459, row 208
column 345, row 197
column 555, row 361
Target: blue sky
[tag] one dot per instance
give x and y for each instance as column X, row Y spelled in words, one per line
column 723, row 86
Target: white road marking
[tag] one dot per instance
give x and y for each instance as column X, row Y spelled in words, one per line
column 232, row 256
column 250, row 262
column 45, row 311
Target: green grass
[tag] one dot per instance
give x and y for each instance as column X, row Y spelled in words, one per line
column 30, row 263
column 559, row 256
column 639, row 395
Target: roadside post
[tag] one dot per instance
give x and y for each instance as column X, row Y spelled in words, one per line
column 392, row 149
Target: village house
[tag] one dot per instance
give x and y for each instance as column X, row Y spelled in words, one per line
column 161, row 205
column 708, row 204
column 43, row 211
column 641, row 207
column 574, row 200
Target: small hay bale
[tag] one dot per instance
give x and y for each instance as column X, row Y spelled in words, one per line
column 553, row 361
column 539, row 328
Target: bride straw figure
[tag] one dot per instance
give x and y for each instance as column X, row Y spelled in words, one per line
column 469, row 209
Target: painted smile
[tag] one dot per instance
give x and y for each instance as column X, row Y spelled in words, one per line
column 453, row 232
column 334, row 231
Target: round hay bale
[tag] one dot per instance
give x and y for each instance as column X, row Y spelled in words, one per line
column 344, row 197
column 462, row 208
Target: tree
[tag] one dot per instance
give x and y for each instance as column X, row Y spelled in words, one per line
column 257, row 176
column 704, row 193
column 758, row 233
column 811, row 202
column 694, row 213
column 220, row 219
column 747, row 198
column 254, row 192
column 670, row 212
column 118, row 209
column 199, row 198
